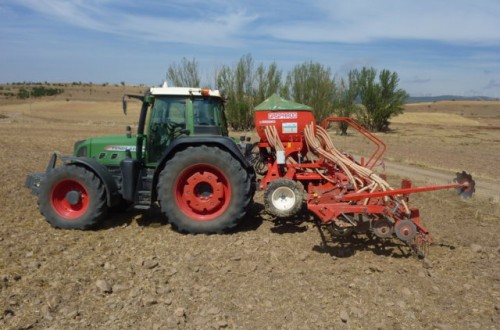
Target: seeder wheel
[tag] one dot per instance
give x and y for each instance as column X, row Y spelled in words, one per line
column 405, row 230
column 382, row 228
column 283, row 198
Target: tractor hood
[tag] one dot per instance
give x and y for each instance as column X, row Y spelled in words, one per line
column 107, row 150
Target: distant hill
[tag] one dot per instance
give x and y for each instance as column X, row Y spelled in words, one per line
column 420, row 99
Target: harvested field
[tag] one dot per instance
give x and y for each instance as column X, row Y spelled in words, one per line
column 434, row 118
column 446, row 139
column 136, row 272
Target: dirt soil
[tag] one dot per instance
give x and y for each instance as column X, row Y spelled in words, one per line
column 136, row 272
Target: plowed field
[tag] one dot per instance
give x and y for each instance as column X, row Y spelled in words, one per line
column 134, row 271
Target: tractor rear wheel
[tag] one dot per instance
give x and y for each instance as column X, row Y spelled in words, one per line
column 72, row 197
column 283, row 198
column 204, row 190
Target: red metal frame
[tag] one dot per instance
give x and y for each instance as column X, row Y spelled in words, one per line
column 396, row 192
column 330, row 194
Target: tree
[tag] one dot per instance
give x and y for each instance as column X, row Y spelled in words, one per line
column 381, row 100
column 345, row 95
column 311, row 84
column 225, row 82
column 245, row 87
column 237, row 85
column 244, row 79
column 268, row 82
column 185, row 74
column 308, row 83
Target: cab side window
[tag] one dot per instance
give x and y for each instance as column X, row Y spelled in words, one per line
column 203, row 113
column 206, row 116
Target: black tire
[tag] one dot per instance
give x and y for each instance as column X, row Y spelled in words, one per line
column 204, row 189
column 72, row 197
column 283, row 198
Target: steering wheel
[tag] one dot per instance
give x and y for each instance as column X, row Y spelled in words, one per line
column 172, row 125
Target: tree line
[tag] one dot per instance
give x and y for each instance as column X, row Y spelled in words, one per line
column 38, row 91
column 369, row 96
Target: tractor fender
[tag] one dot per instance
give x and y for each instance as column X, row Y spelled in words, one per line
column 184, row 142
column 112, row 192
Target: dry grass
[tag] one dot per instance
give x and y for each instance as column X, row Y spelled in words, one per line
column 463, row 108
column 442, row 140
column 434, row 118
column 74, row 111
column 82, row 92
column 486, row 113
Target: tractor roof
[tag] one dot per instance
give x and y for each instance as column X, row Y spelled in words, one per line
column 184, row 91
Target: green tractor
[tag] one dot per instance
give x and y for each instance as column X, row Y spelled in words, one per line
column 181, row 157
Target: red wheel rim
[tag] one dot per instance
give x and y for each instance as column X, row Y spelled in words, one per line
column 202, row 192
column 69, row 199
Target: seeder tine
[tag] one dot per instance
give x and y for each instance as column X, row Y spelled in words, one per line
column 420, row 245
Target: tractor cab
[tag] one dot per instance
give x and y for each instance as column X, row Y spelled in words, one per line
column 171, row 112
column 176, row 112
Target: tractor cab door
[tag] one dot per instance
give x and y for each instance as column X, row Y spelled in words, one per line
column 167, row 119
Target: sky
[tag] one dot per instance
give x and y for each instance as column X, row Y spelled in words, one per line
column 437, row 47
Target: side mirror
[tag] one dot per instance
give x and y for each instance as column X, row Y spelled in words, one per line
column 185, row 131
column 128, row 129
column 124, row 104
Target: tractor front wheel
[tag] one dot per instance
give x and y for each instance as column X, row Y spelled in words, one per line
column 204, row 190
column 72, row 197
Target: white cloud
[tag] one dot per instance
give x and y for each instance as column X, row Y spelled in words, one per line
column 224, row 22
column 216, row 31
column 203, row 28
column 354, row 21
column 492, row 84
